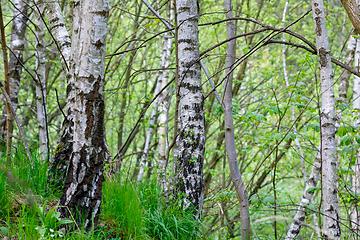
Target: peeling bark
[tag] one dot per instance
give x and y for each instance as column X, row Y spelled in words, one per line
column 190, row 140
column 82, row 192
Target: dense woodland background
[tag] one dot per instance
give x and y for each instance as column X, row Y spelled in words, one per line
column 276, row 105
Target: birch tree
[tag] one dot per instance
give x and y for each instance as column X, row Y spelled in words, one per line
column 62, row 38
column 82, row 192
column 158, row 105
column 40, row 82
column 190, row 121
column 331, row 227
column 163, row 112
column 356, row 114
column 16, row 56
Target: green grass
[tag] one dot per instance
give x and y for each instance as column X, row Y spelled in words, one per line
column 128, row 210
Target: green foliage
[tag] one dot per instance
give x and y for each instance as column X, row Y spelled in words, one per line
column 167, row 221
column 122, row 208
column 4, row 195
column 50, row 222
column 140, row 212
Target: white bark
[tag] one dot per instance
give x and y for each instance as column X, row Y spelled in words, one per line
column 163, row 116
column 297, row 223
column 58, row 30
column 345, row 77
column 16, row 54
column 40, row 84
column 307, row 197
column 229, row 127
column 83, row 188
column 355, row 215
column 190, row 140
column 310, row 185
column 331, row 226
column 162, row 77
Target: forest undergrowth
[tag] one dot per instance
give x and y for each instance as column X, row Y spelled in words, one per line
column 128, row 211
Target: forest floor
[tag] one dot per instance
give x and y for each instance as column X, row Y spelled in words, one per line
column 128, row 210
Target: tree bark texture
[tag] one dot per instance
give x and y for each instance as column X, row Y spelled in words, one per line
column 40, row 82
column 331, row 227
column 356, row 114
column 352, row 10
column 82, row 192
column 16, row 55
column 163, row 112
column 7, row 88
column 162, row 77
column 190, row 137
column 310, row 185
column 229, row 127
column 345, row 77
column 63, row 151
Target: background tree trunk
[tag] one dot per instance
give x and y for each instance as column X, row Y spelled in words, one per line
column 40, row 82
column 229, row 127
column 331, row 227
column 190, row 136
column 17, row 45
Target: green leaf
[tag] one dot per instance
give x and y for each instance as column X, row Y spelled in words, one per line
column 342, row 131
column 312, row 190
column 269, row 200
column 4, row 231
column 357, row 139
column 277, row 136
column 346, row 141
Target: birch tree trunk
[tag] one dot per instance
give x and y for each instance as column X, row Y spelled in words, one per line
column 16, row 55
column 163, row 113
column 163, row 74
column 63, row 151
column 161, row 83
column 345, row 77
column 356, row 115
column 311, row 183
column 190, row 143
column 40, row 84
column 82, row 192
column 331, row 227
column 229, row 127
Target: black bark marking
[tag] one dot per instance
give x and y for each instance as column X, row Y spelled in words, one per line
column 318, row 26
column 190, row 87
column 103, row 13
column 184, row 9
column 54, row 20
column 323, row 58
column 98, row 44
column 317, row 11
column 188, row 41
